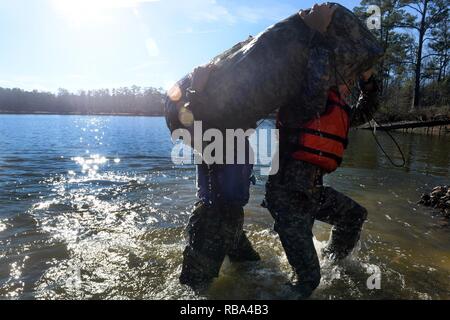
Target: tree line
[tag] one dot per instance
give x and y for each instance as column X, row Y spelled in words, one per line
column 414, row 72
column 134, row 100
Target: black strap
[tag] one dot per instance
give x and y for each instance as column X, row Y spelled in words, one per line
column 325, row 135
column 322, row 154
column 344, row 107
column 317, row 133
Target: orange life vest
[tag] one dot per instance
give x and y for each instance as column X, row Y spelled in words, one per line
column 322, row 141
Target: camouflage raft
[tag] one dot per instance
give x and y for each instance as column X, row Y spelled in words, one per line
column 287, row 64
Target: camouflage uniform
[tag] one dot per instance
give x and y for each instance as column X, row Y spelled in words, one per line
column 296, row 197
column 216, row 226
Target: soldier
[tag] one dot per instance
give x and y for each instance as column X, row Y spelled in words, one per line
column 215, row 228
column 296, row 196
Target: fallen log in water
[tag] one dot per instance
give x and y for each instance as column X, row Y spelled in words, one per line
column 405, row 125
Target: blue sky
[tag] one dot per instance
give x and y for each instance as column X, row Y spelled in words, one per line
column 90, row 44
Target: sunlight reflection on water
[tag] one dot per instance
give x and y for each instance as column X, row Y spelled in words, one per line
column 109, row 223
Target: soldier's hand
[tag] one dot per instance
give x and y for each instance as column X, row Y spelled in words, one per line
column 366, row 75
column 367, row 82
column 319, row 16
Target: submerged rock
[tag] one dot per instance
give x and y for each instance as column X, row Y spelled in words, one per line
column 438, row 198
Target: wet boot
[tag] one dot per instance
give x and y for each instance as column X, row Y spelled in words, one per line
column 197, row 271
column 202, row 256
column 303, row 291
column 341, row 243
column 243, row 251
column 212, row 232
column 345, row 234
column 296, row 237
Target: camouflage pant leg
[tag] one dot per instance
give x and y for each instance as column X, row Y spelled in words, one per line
column 291, row 198
column 243, row 250
column 347, row 218
column 212, row 232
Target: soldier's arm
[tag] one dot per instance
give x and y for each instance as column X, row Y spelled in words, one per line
column 313, row 98
column 368, row 102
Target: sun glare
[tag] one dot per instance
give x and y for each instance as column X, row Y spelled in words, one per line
column 79, row 11
column 82, row 11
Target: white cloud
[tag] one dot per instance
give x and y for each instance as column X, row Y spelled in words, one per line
column 97, row 4
column 190, row 30
column 264, row 13
column 147, row 65
column 213, row 12
column 80, row 12
column 203, row 10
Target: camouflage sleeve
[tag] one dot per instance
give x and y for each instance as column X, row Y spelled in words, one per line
column 368, row 102
column 311, row 97
column 317, row 84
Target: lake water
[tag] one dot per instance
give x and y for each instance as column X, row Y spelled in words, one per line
column 93, row 208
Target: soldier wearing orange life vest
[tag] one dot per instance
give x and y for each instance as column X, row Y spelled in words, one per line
column 295, row 195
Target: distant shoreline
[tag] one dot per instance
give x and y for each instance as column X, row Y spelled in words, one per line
column 79, row 114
